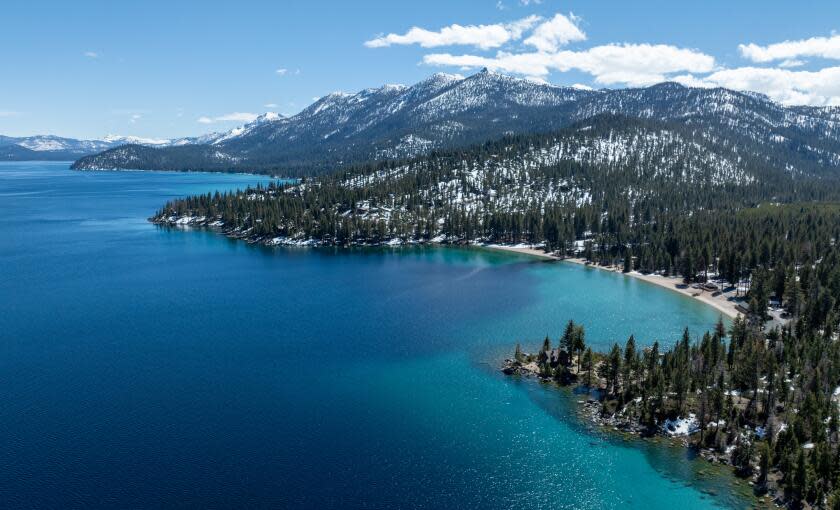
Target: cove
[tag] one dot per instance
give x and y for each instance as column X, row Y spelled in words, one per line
column 151, row 367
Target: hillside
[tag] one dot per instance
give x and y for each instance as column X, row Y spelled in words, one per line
column 537, row 188
column 445, row 111
column 57, row 148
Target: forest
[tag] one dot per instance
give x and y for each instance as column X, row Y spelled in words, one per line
column 765, row 402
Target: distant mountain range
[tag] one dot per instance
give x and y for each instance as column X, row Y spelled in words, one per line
column 57, row 148
column 443, row 112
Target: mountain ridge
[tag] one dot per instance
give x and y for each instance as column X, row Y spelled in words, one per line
column 448, row 111
column 597, row 171
column 59, row 148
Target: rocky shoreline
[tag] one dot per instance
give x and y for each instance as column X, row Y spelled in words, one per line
column 217, row 225
column 681, row 432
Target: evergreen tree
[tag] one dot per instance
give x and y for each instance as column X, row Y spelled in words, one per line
column 587, row 365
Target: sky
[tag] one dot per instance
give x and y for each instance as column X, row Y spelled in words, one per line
column 86, row 69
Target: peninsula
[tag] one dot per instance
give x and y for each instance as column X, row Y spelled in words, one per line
column 733, row 395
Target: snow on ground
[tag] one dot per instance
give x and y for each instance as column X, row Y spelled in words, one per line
column 681, row 426
column 287, row 241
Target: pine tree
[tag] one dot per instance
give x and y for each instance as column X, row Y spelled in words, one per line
column 614, row 368
column 763, row 462
column 799, row 480
column 629, row 363
column 587, row 365
column 579, row 343
column 567, row 341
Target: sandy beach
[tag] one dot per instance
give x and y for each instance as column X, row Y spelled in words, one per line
column 723, row 301
column 523, row 249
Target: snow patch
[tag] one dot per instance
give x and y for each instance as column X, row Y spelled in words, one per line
column 681, row 426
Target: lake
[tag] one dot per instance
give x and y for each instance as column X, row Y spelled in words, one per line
column 145, row 367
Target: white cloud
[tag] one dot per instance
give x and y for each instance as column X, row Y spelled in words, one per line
column 627, row 64
column 558, row 31
column 630, row 64
column 529, row 2
column 229, row 117
column 526, row 64
column 8, row 113
column 134, row 118
column 816, row 88
column 634, row 64
column 91, row 54
column 481, row 36
column 282, row 71
column 537, row 79
column 689, row 80
column 822, row 47
column 792, row 63
column 238, row 117
column 270, row 105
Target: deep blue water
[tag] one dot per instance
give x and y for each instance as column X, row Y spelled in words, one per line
column 144, row 367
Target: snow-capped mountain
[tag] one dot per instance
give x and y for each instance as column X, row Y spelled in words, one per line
column 57, row 148
column 593, row 176
column 48, row 147
column 244, row 130
column 447, row 111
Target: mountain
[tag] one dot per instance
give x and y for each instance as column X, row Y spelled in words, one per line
column 48, row 147
column 56, row 148
column 447, row 111
column 601, row 172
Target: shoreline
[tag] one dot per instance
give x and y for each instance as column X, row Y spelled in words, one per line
column 678, row 432
column 522, row 250
column 721, row 302
column 136, row 170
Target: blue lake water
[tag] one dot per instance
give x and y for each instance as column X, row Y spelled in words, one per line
column 143, row 367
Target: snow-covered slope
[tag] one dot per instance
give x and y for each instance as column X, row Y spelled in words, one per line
column 594, row 176
column 567, row 168
column 52, row 147
column 446, row 111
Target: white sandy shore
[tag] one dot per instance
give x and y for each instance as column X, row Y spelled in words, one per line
column 723, row 302
column 523, row 249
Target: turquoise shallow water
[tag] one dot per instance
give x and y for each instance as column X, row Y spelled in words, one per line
column 147, row 367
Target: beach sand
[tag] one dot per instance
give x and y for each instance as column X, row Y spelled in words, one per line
column 724, row 302
column 523, row 249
